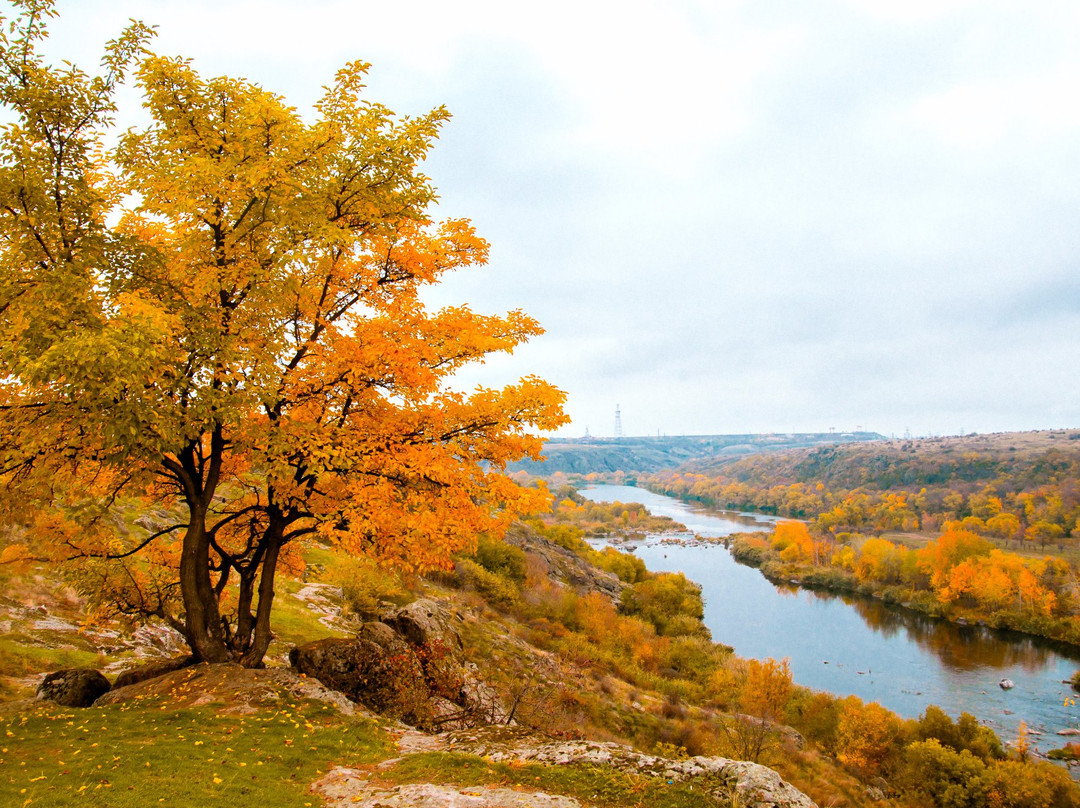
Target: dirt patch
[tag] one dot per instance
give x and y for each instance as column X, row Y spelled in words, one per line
column 234, row 688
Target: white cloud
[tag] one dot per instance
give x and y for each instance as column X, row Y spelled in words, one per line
column 729, row 214
column 985, row 115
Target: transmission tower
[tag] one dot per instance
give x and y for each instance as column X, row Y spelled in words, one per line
column 618, row 422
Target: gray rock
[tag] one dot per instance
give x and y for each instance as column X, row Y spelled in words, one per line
column 446, row 715
column 425, row 623
column 74, row 687
column 480, row 700
column 386, row 638
column 752, row 783
column 348, row 788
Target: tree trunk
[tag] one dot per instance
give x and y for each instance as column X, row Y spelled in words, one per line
column 202, row 619
column 253, row 657
column 245, row 621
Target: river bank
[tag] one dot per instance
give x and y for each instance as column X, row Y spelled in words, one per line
column 750, row 552
column 846, row 643
column 1042, row 623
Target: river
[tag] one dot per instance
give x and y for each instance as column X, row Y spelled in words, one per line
column 856, row 645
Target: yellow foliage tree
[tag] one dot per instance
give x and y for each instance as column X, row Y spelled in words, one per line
column 764, row 693
column 865, row 734
column 244, row 347
column 954, row 546
column 794, row 542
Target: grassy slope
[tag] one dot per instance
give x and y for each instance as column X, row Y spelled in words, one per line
column 165, row 749
column 140, row 754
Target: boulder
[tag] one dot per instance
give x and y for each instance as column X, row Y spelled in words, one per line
column 480, row 700
column 425, row 623
column 445, row 715
column 429, row 628
column 386, row 638
column 152, row 670
column 74, row 687
column 376, row 668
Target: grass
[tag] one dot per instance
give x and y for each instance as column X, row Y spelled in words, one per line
column 292, row 621
column 593, row 784
column 21, row 658
column 25, row 650
column 150, row 753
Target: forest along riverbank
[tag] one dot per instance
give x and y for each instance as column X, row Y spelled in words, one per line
column 854, row 645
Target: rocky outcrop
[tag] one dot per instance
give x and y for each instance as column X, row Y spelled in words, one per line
column 408, row 666
column 425, row 623
column 377, row 668
column 233, row 688
column 152, row 670
column 753, row 784
column 348, row 788
column 728, row 782
column 564, row 566
column 74, row 687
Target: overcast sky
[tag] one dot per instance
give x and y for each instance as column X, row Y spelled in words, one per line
column 729, row 216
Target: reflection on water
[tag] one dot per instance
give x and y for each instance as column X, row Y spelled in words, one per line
column 847, row 644
column 965, row 647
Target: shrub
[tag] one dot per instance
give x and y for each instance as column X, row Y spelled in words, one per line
column 502, row 559
column 965, row 734
column 865, row 734
column 949, row 778
column 498, row 591
column 1015, row 784
column 1070, row 751
column 692, row 658
column 661, row 599
column 566, row 536
column 365, row 586
column 816, row 715
column 628, row 567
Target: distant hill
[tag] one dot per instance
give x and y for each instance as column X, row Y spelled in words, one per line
column 644, row 455
column 1026, row 459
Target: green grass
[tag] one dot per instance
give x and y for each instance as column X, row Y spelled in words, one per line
column 20, row 657
column 593, row 784
column 292, row 621
column 150, row 753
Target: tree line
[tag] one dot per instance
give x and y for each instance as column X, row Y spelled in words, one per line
column 1028, row 497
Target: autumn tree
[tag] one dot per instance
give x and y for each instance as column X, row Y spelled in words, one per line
column 865, row 734
column 763, row 697
column 219, row 324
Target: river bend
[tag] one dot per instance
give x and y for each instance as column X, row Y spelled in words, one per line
column 857, row 645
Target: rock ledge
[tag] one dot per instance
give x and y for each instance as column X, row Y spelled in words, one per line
column 753, row 785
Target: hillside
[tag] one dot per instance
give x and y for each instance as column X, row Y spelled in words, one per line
column 1018, row 489
column 617, row 694
column 647, row 454
column 267, row 737
column 1029, row 458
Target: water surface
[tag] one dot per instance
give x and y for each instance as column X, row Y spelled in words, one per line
column 861, row 646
